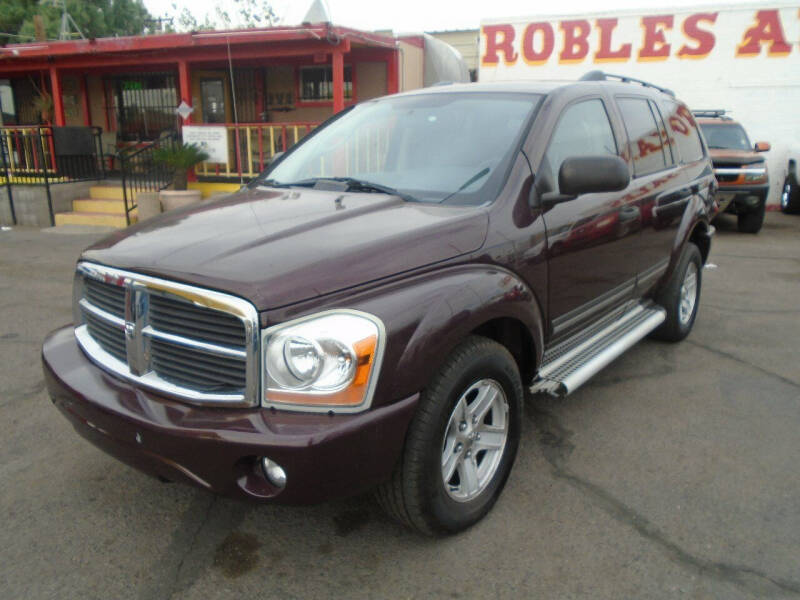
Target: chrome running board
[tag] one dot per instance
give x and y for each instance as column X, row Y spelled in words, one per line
column 569, row 364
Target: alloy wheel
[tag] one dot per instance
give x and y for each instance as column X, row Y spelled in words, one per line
column 474, row 440
column 688, row 295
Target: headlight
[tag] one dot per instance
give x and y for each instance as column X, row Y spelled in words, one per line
column 755, row 175
column 323, row 362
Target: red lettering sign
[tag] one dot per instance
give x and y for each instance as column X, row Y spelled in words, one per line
column 576, row 40
column 604, row 53
column 704, row 40
column 654, row 45
column 499, row 38
column 767, row 30
column 529, row 53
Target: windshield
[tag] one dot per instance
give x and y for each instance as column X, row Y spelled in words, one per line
column 451, row 148
column 728, row 136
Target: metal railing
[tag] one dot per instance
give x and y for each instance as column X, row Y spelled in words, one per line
column 34, row 155
column 141, row 173
column 252, row 145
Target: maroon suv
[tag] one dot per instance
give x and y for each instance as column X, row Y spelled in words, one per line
column 369, row 312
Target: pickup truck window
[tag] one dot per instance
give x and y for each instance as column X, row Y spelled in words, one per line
column 582, row 130
column 644, row 142
column 726, row 136
column 438, row 147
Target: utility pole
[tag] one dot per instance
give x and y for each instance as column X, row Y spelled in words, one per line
column 66, row 19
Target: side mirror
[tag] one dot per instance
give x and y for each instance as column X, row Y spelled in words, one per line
column 589, row 175
column 762, row 147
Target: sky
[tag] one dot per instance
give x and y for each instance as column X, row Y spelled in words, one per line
column 432, row 15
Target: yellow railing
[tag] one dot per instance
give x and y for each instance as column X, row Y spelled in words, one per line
column 252, row 145
column 29, row 150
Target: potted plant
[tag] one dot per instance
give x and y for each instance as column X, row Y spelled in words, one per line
column 179, row 158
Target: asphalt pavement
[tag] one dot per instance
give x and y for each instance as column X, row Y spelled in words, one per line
column 673, row 474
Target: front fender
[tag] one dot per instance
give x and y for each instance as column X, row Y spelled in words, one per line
column 427, row 315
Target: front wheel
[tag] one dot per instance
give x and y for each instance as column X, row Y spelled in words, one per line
column 681, row 296
column 751, row 222
column 790, row 195
column 461, row 443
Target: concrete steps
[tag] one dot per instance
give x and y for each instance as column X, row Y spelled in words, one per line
column 103, row 207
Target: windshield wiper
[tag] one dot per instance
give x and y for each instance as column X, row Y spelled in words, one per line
column 353, row 183
column 271, row 183
column 479, row 175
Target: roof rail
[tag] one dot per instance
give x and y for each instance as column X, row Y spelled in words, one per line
column 716, row 113
column 603, row 76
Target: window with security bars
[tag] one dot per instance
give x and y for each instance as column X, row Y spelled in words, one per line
column 316, row 83
column 142, row 104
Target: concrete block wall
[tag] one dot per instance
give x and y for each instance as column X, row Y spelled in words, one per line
column 30, row 202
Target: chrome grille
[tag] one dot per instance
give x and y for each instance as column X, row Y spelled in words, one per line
column 196, row 344
column 182, row 318
column 110, row 298
column 110, row 337
column 184, row 366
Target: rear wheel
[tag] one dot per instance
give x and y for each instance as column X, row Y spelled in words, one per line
column 461, row 443
column 681, row 296
column 751, row 222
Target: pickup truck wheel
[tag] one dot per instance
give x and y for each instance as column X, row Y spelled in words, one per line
column 790, row 196
column 681, row 296
column 461, row 443
column 751, row 222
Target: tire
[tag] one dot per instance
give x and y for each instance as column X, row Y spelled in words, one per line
column 790, row 195
column 751, row 222
column 417, row 494
column 676, row 297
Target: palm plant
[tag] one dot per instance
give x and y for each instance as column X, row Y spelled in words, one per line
column 179, row 158
column 43, row 106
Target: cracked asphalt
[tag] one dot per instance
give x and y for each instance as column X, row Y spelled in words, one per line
column 673, row 474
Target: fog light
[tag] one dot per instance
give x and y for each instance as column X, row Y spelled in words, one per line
column 273, row 472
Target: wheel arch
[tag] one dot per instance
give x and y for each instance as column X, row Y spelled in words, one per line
column 514, row 336
column 700, row 236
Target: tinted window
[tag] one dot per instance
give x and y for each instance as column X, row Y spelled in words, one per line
column 644, row 142
column 670, row 152
column 582, row 130
column 728, row 136
column 683, row 129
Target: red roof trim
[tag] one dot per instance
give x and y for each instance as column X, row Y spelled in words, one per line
column 180, row 41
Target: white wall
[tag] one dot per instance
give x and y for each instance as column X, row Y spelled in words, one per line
column 744, row 59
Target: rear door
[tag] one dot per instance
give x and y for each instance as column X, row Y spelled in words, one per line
column 592, row 238
column 659, row 185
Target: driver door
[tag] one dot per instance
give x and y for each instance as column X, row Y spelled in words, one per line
column 592, row 240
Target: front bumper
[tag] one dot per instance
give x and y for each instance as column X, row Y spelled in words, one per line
column 219, row 449
column 741, row 198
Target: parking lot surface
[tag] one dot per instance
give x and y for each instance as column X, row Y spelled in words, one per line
column 674, row 473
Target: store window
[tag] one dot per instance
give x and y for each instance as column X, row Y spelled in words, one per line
column 142, row 104
column 316, row 83
column 7, row 106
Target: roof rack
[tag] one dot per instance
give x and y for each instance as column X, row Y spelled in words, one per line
column 717, row 113
column 602, row 76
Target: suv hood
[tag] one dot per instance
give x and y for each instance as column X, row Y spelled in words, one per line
column 722, row 157
column 280, row 246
